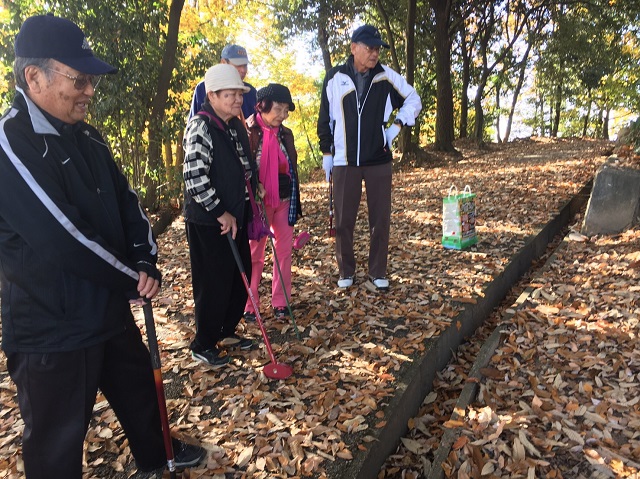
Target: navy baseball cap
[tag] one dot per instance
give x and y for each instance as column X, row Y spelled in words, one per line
column 369, row 35
column 48, row 36
column 235, row 54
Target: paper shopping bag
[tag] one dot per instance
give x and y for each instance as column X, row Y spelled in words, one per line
column 459, row 219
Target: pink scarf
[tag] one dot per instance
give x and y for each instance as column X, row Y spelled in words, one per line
column 272, row 155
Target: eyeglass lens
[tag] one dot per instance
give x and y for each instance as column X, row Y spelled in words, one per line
column 80, row 82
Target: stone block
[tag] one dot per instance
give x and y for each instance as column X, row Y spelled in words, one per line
column 613, row 204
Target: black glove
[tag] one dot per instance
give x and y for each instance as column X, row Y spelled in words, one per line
column 150, row 269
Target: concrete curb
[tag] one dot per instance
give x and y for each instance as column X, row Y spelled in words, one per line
column 417, row 380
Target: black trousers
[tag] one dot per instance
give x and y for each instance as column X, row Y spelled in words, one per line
column 218, row 290
column 57, row 392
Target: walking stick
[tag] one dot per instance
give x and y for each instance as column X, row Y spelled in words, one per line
column 284, row 289
column 274, row 370
column 157, row 376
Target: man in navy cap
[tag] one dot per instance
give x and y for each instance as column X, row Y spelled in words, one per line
column 357, row 101
column 237, row 56
column 75, row 250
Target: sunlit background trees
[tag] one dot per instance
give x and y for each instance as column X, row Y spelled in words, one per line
column 486, row 70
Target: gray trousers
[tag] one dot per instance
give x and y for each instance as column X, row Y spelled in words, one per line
column 347, row 192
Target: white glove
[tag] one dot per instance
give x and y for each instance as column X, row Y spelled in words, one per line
column 391, row 133
column 327, row 164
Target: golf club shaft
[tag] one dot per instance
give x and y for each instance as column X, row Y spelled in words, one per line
column 331, row 230
column 284, row 290
column 256, row 306
column 157, row 376
column 277, row 262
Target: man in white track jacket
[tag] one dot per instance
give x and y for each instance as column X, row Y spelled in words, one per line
column 358, row 98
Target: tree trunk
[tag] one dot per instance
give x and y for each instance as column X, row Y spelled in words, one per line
column 605, row 125
column 556, row 118
column 478, row 125
column 179, row 160
column 387, row 26
column 404, row 142
column 180, row 150
column 323, row 41
column 498, row 138
column 466, row 80
column 154, row 162
column 587, row 116
column 444, row 90
column 541, row 123
column 516, row 91
column 168, row 158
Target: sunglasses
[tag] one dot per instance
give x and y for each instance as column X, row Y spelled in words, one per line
column 81, row 81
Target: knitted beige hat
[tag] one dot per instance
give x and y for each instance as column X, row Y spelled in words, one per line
column 223, row 77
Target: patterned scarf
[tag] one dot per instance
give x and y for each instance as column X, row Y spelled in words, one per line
column 272, row 155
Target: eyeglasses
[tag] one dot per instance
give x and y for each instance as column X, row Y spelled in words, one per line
column 370, row 49
column 81, row 81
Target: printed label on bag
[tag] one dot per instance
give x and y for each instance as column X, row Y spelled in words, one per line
column 459, row 221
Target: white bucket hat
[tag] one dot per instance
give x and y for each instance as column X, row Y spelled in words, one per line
column 223, row 77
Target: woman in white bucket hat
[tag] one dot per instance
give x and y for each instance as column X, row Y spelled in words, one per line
column 218, row 173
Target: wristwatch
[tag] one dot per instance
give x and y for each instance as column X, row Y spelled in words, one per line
column 398, row 122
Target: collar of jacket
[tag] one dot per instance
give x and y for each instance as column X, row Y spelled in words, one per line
column 213, row 118
column 46, row 124
column 350, row 69
column 41, row 125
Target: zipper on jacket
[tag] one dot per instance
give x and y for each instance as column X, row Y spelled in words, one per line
column 360, row 117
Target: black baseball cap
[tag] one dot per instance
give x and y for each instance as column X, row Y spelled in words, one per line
column 369, row 35
column 278, row 93
column 48, row 36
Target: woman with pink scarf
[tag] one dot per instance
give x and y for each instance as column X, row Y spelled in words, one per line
column 274, row 150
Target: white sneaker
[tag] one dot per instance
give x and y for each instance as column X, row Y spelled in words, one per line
column 345, row 282
column 377, row 284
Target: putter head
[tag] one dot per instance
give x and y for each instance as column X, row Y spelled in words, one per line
column 301, row 240
column 277, row 371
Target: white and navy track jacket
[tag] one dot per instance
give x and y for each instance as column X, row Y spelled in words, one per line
column 71, row 232
column 354, row 131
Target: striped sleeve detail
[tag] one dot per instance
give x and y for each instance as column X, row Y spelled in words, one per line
column 53, row 208
column 197, row 164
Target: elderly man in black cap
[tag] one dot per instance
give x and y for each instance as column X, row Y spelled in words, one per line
column 357, row 101
column 75, row 250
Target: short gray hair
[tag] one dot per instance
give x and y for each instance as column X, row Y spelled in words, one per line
column 20, row 63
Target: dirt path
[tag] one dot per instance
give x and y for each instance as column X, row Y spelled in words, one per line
column 354, row 344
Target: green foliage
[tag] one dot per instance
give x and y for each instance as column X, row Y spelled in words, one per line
column 585, row 60
column 630, row 135
column 334, row 17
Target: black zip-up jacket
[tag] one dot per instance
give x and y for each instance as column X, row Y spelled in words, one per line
column 213, row 173
column 71, row 232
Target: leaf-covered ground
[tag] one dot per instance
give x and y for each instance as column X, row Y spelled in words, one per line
column 353, row 344
column 560, row 395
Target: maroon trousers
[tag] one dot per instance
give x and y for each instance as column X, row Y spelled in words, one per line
column 347, row 192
